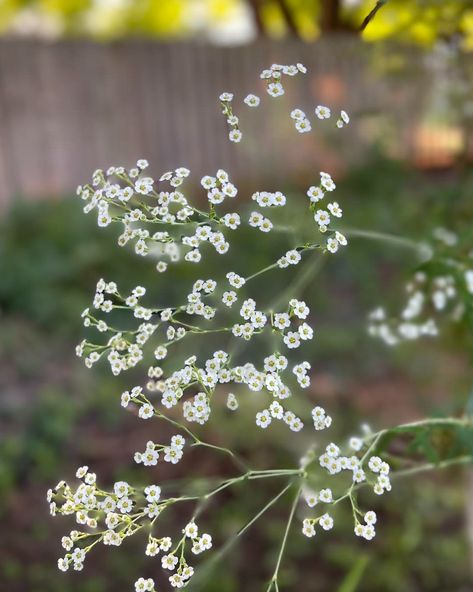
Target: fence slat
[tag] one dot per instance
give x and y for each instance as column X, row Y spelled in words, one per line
column 69, row 107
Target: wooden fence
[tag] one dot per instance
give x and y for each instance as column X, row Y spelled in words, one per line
column 67, row 108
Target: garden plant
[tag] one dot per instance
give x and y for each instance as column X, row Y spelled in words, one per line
column 215, row 345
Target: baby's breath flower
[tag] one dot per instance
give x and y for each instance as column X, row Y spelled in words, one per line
column 252, row 100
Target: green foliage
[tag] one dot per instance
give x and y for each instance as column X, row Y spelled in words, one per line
column 61, row 252
column 54, row 248
column 413, row 21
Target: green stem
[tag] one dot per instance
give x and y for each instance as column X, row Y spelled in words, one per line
column 274, row 579
column 422, row 248
column 201, row 577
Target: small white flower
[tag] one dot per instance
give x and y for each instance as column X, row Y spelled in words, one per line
column 322, row 112
column 308, row 528
column 169, row 561
column 327, row 183
column 252, row 100
column 332, row 245
column 292, row 340
column 370, row 517
column 231, row 220
column 275, row 89
column 263, row 419
column 235, row 135
column 326, row 522
column 322, row 217
column 226, row 97
column 335, row 209
column 144, row 185
column 303, row 126
column 315, row 194
column 191, row 531
column 297, row 114
column 325, row 496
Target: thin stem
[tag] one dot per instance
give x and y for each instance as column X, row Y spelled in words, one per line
column 422, row 248
column 198, row 442
column 444, row 464
column 439, row 422
column 201, row 576
column 274, row 579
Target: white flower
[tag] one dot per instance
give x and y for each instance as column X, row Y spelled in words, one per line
column 275, row 89
column 322, row 112
column 332, row 245
column 142, row 163
column 315, row 194
column 82, row 472
column 191, row 530
column 153, row 493
column 252, row 100
column 121, row 488
column 255, row 219
column 300, row 308
column 327, row 182
column 226, row 97
column 263, row 418
column 322, row 218
column 368, row 532
column 63, row 564
column 146, row 411
column 292, row 340
column 293, row 257
column 303, row 126
column 356, row 444
column 341, row 239
column 326, row 496
column 370, row 517
column 235, row 135
column 311, row 499
column 231, row 220
column 298, row 114
column 326, row 522
column 144, row 185
column 343, row 120
column 305, row 331
column 266, row 225
column 308, row 528
column 232, row 402
column 150, row 457
column 229, row 298
column 169, row 561
column 125, row 505
column 208, row 182
column 172, row 454
column 335, row 209
column 375, row 463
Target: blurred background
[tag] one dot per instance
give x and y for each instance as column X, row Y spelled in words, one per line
column 93, row 83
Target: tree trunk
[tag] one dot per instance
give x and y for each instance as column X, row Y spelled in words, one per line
column 330, row 19
column 288, row 18
column 255, row 7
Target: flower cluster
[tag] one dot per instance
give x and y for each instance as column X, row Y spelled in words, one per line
column 171, row 453
column 302, row 122
column 443, row 287
column 140, row 203
column 226, row 99
column 364, row 469
column 273, row 77
column 323, row 217
column 111, row 516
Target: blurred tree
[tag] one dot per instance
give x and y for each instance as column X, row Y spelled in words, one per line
column 419, row 21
